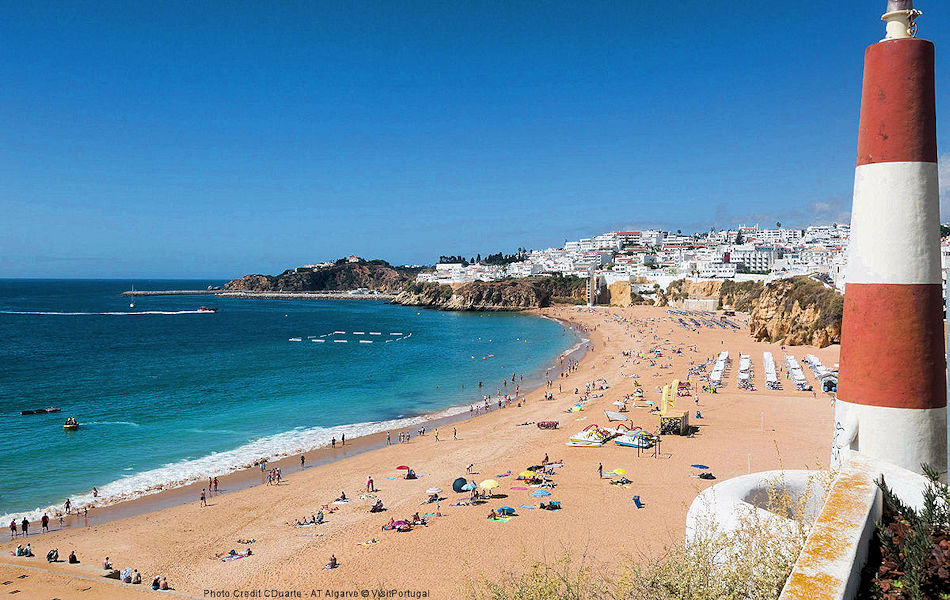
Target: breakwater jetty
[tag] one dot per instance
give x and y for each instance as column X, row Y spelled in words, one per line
column 328, row 295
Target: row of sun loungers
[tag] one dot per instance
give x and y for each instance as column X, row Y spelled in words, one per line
column 771, row 376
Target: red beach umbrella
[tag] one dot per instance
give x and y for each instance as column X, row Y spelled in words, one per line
column 402, row 468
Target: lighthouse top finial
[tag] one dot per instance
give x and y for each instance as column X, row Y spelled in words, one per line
column 899, row 19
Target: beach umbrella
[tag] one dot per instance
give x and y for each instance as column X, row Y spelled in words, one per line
column 402, row 468
column 459, row 484
column 434, row 490
column 488, row 484
column 468, row 487
column 620, row 403
column 620, row 471
column 540, row 493
column 699, row 466
column 527, row 475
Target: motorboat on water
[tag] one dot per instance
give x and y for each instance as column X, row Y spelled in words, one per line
column 132, row 303
column 205, row 309
column 71, row 424
column 592, row 435
column 40, row 411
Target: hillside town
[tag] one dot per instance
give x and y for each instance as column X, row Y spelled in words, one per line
column 743, row 253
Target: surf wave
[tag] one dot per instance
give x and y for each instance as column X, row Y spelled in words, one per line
column 182, row 473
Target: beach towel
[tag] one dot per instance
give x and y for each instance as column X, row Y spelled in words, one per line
column 462, row 503
column 299, row 525
column 311, row 535
column 368, row 542
column 341, row 501
column 527, row 506
column 519, row 488
column 427, row 515
column 369, row 496
column 390, row 478
column 500, row 519
column 250, row 541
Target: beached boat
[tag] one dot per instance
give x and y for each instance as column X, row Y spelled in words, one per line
column 635, row 440
column 592, row 435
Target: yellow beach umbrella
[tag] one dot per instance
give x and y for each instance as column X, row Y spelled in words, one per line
column 620, row 471
column 488, row 484
column 528, row 474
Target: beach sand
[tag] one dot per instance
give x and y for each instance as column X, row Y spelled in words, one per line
column 767, row 429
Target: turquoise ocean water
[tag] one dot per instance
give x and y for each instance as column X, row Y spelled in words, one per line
column 166, row 398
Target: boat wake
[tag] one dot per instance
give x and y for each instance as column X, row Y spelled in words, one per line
column 138, row 312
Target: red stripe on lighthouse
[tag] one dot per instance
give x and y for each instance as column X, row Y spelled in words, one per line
column 892, row 346
column 898, row 119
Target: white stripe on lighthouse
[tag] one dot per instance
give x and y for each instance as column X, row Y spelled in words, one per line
column 895, row 236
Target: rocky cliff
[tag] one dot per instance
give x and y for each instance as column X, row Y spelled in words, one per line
column 740, row 295
column 797, row 311
column 343, row 275
column 510, row 294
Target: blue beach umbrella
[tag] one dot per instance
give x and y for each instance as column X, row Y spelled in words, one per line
column 468, row 487
column 699, row 466
column 540, row 493
column 459, row 484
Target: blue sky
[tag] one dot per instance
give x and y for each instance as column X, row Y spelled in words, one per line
column 208, row 139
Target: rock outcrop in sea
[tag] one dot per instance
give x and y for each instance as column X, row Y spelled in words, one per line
column 344, row 275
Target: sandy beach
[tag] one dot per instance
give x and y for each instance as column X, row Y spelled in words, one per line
column 761, row 429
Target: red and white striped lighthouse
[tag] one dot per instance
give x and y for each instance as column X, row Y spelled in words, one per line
column 892, row 399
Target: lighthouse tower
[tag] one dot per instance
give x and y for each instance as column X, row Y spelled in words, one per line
column 892, row 399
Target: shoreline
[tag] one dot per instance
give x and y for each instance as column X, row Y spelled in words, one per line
column 148, row 500
column 739, row 431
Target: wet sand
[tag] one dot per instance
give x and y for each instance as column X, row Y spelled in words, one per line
column 769, row 429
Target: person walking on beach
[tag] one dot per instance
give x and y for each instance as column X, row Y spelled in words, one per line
column 25, row 527
column 343, row 439
column 600, row 470
column 203, row 501
column 436, row 431
column 389, row 439
column 370, row 487
column 333, row 442
column 13, row 529
column 455, row 434
column 44, row 522
column 215, row 485
column 66, row 505
column 302, row 459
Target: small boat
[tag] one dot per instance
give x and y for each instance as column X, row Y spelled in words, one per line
column 592, row 435
column 205, row 309
column 636, row 440
column 132, row 303
column 71, row 426
column 52, row 409
column 294, row 339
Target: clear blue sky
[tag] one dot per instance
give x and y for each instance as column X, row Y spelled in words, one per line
column 213, row 139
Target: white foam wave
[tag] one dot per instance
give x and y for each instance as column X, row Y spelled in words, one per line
column 217, row 464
